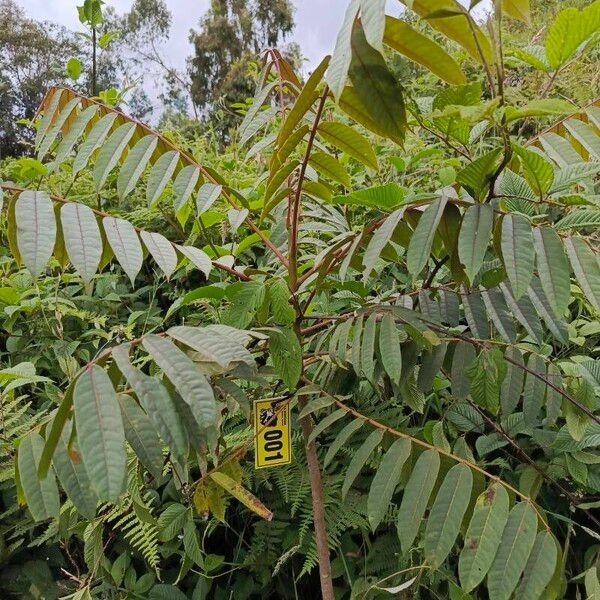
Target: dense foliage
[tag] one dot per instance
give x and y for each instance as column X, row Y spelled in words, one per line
column 401, row 249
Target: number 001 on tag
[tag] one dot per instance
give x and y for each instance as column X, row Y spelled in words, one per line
column 272, row 445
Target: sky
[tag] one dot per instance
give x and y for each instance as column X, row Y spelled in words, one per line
column 317, row 22
column 317, row 25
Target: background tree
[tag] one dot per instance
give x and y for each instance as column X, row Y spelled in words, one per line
column 230, row 37
column 32, row 56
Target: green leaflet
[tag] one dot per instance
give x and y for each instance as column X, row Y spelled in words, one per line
column 315, row 405
column 262, row 118
column 161, row 250
column 515, row 546
column 416, row 497
column 164, row 591
column 286, row 354
column 379, row 241
column 111, row 151
column 447, row 513
column 337, row 72
column 141, row 436
column 372, row 18
column 100, row 432
column 93, row 141
column 592, row 583
column 195, row 390
column 559, row 150
column 70, row 138
column 303, row 102
column 510, row 391
column 58, row 124
column 49, row 114
column 184, row 185
column 384, row 197
column 465, row 418
column 360, row 458
column 518, row 9
column 579, row 219
column 431, row 363
column 486, row 375
column 237, row 217
column 356, row 341
column 539, row 108
column 35, row 229
column 208, row 194
column 400, row 36
column 290, row 144
column 557, row 326
column 341, row 348
column 351, row 103
column 572, row 174
column 539, row 569
column 157, row 402
column 198, row 258
column 73, row 476
column 474, row 238
column 348, row 140
column 517, row 252
column 41, row 494
column 524, row 311
column 124, row 241
column 171, row 521
column 83, row 240
column 454, row 27
column 245, row 304
column 464, row 354
column 274, row 183
column 215, row 351
column 586, row 268
column 160, row 175
column 586, row 135
column 329, row 420
column 578, row 421
column 53, row 431
column 234, row 488
column 538, row 171
column 553, row 397
column 389, row 348
column 421, row 241
column 475, row 315
column 499, row 314
column 135, row 163
column 534, row 390
column 343, row 436
column 330, row 167
column 475, row 177
column 258, row 102
column 379, row 92
column 367, row 348
column 570, row 29
column 553, row 268
column 385, row 481
column 279, row 298
column 483, row 536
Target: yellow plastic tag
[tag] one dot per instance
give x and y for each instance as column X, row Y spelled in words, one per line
column 273, row 432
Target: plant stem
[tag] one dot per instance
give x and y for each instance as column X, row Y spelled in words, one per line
column 94, row 66
column 314, row 469
column 316, row 488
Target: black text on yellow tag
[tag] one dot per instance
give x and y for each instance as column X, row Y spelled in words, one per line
column 272, row 429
